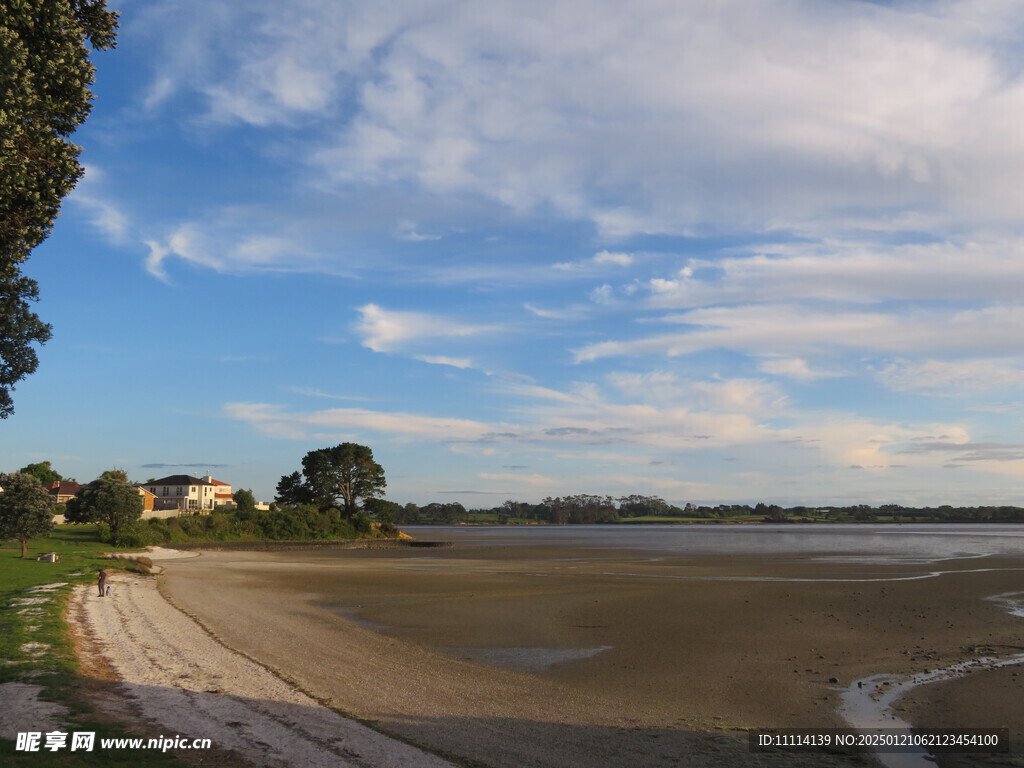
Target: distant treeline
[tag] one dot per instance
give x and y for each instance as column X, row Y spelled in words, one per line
column 593, row 509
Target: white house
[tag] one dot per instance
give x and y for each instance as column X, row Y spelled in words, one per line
column 190, row 494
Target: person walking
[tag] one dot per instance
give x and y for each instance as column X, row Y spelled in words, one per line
column 102, row 582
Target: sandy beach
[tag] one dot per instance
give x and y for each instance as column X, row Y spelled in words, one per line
column 512, row 658
column 172, row 678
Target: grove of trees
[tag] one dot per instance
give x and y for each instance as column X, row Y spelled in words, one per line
column 340, row 477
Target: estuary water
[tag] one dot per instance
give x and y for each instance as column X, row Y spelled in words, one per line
column 865, row 543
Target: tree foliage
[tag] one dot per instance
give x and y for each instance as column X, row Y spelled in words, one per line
column 45, row 76
column 26, row 509
column 334, row 477
column 583, row 508
column 292, row 490
column 244, row 500
column 109, row 499
column 42, row 471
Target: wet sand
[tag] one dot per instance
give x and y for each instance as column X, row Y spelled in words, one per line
column 984, row 699
column 515, row 656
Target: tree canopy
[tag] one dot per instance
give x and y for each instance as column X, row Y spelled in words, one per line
column 244, row 500
column 334, row 477
column 108, row 499
column 25, row 509
column 45, row 77
column 42, row 471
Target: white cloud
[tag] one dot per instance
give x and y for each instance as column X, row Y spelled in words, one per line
column 793, row 330
column 748, row 396
column 939, row 377
column 599, row 259
column 274, row 421
column 549, row 314
column 407, row 231
column 385, row 330
column 155, row 260
column 984, row 269
column 519, row 479
column 606, row 257
column 794, row 368
column 454, row 362
column 652, row 117
column 231, row 241
column 91, row 195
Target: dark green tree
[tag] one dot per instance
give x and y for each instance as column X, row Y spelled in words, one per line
column 45, row 76
column 26, row 509
column 386, row 511
column 245, row 501
column 42, row 471
column 108, row 499
column 337, row 477
column 292, row 491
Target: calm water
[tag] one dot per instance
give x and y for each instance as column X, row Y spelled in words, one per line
column 857, row 542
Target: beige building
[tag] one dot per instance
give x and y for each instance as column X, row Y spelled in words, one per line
column 189, row 494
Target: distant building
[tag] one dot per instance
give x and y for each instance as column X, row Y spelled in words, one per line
column 190, row 494
column 148, row 499
column 63, row 490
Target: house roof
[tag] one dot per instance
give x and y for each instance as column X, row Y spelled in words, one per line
column 63, row 488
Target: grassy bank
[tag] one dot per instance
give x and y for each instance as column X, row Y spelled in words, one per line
column 36, row 648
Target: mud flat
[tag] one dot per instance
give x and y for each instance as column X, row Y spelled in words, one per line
column 554, row 656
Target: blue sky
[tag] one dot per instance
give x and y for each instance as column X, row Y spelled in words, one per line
column 711, row 251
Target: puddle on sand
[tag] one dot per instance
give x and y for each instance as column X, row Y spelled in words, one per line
column 867, row 704
column 524, row 659
column 1011, row 601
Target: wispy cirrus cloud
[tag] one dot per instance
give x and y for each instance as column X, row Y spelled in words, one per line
column 986, row 270
column 385, row 330
column 792, row 329
column 958, row 377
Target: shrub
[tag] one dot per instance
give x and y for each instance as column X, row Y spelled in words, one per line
column 362, row 523
column 129, row 537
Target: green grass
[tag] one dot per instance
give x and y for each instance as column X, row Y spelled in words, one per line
column 56, row 671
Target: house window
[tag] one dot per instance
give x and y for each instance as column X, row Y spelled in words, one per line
column 165, row 493
column 179, row 490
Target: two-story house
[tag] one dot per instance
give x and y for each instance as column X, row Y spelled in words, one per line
column 190, row 494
